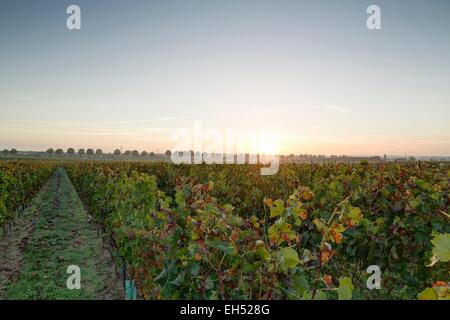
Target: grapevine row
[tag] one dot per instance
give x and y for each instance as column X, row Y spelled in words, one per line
column 309, row 232
column 19, row 181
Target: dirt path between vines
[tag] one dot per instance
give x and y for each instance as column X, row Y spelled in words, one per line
column 53, row 234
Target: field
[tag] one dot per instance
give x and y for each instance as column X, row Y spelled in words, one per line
column 226, row 232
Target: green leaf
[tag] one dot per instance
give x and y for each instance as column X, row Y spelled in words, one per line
column 180, row 199
column 178, row 279
column 307, row 295
column 195, row 269
column 234, row 220
column 428, row 294
column 320, row 225
column 441, row 246
column 300, row 283
column 277, row 209
column 355, row 215
column 414, row 203
column 421, row 184
column 262, row 253
column 162, row 275
column 209, row 283
column 228, row 208
column 224, row 246
column 345, row 288
column 248, row 268
column 290, row 257
column 320, row 295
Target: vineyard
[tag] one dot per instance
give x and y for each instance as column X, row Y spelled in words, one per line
column 226, row 232
column 309, row 232
column 19, row 181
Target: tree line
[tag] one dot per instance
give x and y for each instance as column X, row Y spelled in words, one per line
column 91, row 152
column 117, row 152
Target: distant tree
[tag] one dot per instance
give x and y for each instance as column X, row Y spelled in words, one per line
column 81, row 151
column 127, row 153
column 50, row 151
column 168, row 153
column 98, row 152
column 13, row 151
column 5, row 151
column 71, row 151
column 90, row 151
column 117, row 152
column 59, row 151
column 135, row 153
column 144, row 153
column 152, row 154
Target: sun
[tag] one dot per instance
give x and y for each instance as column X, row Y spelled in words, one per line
column 268, row 148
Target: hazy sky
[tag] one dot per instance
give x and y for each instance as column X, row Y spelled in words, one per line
column 138, row 70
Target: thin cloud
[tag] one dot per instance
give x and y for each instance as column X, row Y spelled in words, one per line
column 143, row 121
column 19, row 99
column 337, row 108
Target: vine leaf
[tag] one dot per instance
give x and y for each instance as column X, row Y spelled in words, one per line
column 428, row 294
column 290, row 257
column 278, row 209
column 441, row 248
column 345, row 288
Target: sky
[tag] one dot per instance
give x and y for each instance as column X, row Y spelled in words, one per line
column 312, row 71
